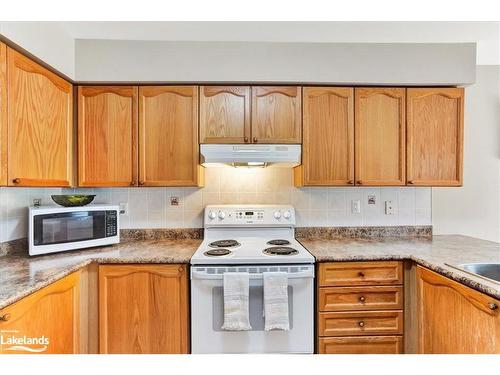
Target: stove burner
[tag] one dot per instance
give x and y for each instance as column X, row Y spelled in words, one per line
column 278, row 242
column 280, row 250
column 224, row 243
column 217, row 252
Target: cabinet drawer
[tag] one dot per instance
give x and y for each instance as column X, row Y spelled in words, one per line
column 361, row 345
column 361, row 323
column 360, row 273
column 361, row 298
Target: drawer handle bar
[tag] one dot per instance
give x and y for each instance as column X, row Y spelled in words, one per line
column 206, row 276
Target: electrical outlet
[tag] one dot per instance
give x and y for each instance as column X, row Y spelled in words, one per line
column 389, row 209
column 356, row 206
column 37, row 202
column 123, row 208
column 174, row 201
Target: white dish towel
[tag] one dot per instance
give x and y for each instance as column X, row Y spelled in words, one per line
column 276, row 301
column 236, row 290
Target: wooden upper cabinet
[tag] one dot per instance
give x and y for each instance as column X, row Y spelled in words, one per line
column 380, row 140
column 52, row 312
column 276, row 114
column 107, row 136
column 328, row 139
column 168, row 136
column 3, row 114
column 435, row 136
column 455, row 319
column 143, row 309
column 40, row 124
column 224, row 114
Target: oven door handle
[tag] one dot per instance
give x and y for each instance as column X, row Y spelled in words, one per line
column 202, row 275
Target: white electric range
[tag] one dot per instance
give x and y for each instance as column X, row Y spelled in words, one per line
column 253, row 239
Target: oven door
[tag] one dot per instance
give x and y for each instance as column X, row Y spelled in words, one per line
column 207, row 312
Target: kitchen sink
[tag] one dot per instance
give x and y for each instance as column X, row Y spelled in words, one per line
column 490, row 271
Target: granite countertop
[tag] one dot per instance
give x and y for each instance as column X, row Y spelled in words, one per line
column 434, row 252
column 21, row 274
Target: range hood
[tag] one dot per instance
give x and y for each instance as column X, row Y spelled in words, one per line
column 238, row 155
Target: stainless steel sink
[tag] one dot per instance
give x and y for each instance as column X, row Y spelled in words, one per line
column 490, row 271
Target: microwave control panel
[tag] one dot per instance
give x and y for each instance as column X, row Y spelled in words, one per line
column 111, row 223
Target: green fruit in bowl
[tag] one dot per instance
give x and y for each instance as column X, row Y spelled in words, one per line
column 73, row 200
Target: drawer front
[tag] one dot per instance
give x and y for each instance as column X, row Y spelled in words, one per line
column 361, row 345
column 360, row 273
column 361, row 298
column 362, row 323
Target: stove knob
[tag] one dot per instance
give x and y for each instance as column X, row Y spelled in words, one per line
column 287, row 215
column 277, row 215
column 222, row 215
column 212, row 215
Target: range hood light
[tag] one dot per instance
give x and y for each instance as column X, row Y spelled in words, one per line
column 250, row 164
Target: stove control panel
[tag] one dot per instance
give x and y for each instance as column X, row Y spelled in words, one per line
column 248, row 215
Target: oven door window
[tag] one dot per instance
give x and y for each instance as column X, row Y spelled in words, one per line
column 69, row 227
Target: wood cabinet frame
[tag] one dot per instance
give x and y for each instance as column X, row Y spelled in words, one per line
column 16, row 61
column 395, row 93
column 90, row 91
column 3, row 114
column 455, row 93
column 197, row 171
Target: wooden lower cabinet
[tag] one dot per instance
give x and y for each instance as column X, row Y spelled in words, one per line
column 49, row 319
column 360, row 308
column 361, row 345
column 455, row 319
column 143, row 309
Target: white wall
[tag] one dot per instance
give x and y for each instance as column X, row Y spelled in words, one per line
column 49, row 41
column 315, row 63
column 474, row 209
column 150, row 207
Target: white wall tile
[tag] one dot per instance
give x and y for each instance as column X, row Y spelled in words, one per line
column 150, row 207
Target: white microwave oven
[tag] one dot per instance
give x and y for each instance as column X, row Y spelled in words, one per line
column 55, row 229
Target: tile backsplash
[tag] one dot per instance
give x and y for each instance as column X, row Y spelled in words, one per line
column 151, row 207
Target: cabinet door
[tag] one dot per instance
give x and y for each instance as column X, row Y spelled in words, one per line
column 380, row 136
column 455, row 319
column 435, row 136
column 143, row 309
column 3, row 114
column 50, row 315
column 107, row 136
column 276, row 114
column 40, row 125
column 328, row 144
column 224, row 114
column 168, row 136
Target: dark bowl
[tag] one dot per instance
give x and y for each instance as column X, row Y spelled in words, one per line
column 73, row 200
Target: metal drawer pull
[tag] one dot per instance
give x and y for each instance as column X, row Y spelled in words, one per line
column 5, row 317
column 362, row 299
column 361, row 324
column 361, row 274
column 493, row 306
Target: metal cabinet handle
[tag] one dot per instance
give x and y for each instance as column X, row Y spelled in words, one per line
column 350, row 182
column 410, row 182
column 254, row 139
column 245, row 139
column 141, row 183
column 361, row 324
column 4, row 317
column 16, row 180
column 359, row 182
column 132, row 183
column 493, row 306
column 361, row 274
column 362, row 299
